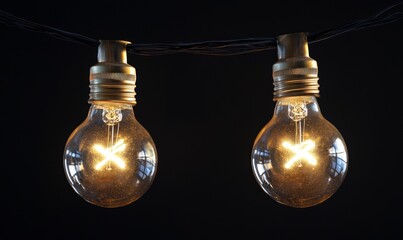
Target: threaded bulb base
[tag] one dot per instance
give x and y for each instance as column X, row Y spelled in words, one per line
column 295, row 73
column 112, row 79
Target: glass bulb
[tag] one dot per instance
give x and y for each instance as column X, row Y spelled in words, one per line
column 110, row 160
column 299, row 158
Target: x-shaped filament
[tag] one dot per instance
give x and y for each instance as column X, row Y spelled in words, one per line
column 109, row 154
column 301, row 152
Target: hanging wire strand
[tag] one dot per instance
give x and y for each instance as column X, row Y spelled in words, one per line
column 14, row 21
column 381, row 18
column 215, row 48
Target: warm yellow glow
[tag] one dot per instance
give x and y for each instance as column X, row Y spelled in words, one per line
column 109, row 154
column 301, row 153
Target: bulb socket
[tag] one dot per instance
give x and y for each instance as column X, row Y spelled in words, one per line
column 112, row 79
column 295, row 73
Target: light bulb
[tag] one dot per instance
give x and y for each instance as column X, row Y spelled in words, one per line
column 299, row 158
column 110, row 160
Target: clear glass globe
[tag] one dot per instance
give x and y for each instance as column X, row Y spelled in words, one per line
column 299, row 158
column 110, row 160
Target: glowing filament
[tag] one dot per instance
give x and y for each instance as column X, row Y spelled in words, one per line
column 301, row 153
column 109, row 154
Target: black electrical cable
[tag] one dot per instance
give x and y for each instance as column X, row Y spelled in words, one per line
column 218, row 48
column 373, row 21
column 21, row 23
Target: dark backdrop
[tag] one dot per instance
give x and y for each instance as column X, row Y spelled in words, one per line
column 203, row 113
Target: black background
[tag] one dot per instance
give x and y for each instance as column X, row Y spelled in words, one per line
column 203, row 113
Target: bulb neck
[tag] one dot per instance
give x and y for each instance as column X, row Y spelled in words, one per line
column 100, row 110
column 306, row 105
column 112, row 79
column 100, row 104
column 295, row 73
